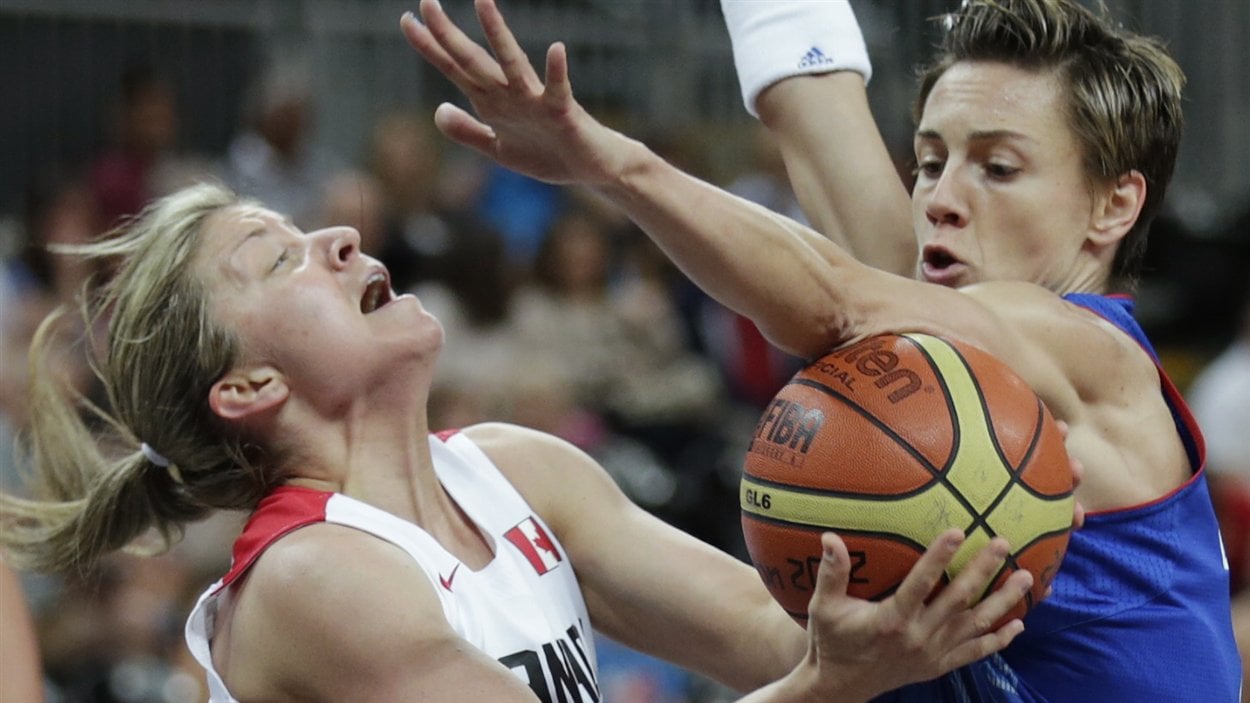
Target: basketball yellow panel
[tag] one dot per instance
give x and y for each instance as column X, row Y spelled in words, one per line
column 1023, row 516
column 977, row 472
column 918, row 517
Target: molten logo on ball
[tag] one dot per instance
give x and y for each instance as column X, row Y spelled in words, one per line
column 874, row 360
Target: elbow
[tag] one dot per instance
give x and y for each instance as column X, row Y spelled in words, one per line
column 809, row 335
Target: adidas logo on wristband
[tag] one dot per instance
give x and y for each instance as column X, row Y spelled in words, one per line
column 815, row 58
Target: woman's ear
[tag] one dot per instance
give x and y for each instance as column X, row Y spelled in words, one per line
column 1117, row 211
column 244, row 393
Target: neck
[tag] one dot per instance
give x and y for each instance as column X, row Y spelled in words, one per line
column 383, row 457
column 373, row 452
column 1088, row 274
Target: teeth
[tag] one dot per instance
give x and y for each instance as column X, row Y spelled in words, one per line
column 375, row 288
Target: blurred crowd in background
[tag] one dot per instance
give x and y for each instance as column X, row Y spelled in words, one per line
column 559, row 313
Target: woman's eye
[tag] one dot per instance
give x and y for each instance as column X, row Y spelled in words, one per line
column 281, row 259
column 1000, row 170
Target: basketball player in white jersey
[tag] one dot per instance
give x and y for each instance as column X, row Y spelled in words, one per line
column 270, row 369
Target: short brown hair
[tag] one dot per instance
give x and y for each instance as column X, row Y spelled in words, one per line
column 1123, row 90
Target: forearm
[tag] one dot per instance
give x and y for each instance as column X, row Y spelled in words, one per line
column 787, row 278
column 758, row 642
column 726, row 635
column 817, row 108
column 661, row 591
column 839, row 167
column 791, row 281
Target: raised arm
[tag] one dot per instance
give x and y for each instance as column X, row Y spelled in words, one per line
column 802, row 67
column 750, row 259
column 805, row 293
column 658, row 590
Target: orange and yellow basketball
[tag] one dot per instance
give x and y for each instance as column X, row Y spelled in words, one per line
column 889, row 442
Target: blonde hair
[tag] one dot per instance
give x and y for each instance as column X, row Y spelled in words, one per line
column 1123, row 90
column 93, row 492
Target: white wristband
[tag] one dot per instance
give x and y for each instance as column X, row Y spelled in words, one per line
column 776, row 39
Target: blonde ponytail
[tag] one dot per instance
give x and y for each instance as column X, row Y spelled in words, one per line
column 95, row 491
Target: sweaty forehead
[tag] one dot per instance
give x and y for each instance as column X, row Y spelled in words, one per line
column 984, row 95
column 229, row 233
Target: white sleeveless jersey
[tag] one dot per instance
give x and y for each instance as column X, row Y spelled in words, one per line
column 524, row 608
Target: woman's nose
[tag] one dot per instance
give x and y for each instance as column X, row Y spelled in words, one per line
column 944, row 205
column 342, row 244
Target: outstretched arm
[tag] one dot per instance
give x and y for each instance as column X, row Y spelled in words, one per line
column 754, row 261
column 840, row 169
column 805, row 293
column 803, row 68
column 655, row 588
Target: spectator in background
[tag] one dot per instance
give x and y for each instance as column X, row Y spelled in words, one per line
column 521, row 208
column 765, row 180
column 116, row 637
column 273, row 158
column 620, row 342
column 616, row 343
column 58, row 210
column 1219, row 398
column 425, row 216
column 142, row 162
column 147, row 127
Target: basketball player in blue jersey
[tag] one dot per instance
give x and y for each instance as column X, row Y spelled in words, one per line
column 1046, row 137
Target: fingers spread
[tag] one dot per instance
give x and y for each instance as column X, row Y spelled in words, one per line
column 472, row 61
column 968, row 587
column 513, row 61
column 463, row 128
column 924, row 576
column 559, row 92
column 420, row 38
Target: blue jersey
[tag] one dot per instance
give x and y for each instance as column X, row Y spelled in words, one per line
column 1140, row 606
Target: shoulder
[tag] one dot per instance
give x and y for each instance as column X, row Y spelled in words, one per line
column 331, row 613
column 303, row 582
column 558, row 479
column 1073, row 358
column 516, row 449
column 316, row 615
column 316, row 550
column 1072, row 335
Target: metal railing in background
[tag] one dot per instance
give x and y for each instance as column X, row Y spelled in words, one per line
column 657, row 66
